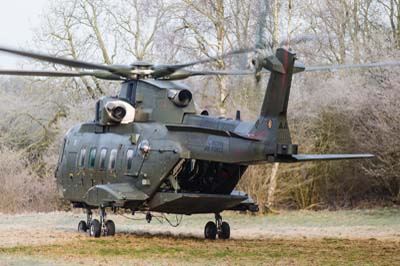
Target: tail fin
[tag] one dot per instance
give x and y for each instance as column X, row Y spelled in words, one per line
column 277, row 96
column 272, row 126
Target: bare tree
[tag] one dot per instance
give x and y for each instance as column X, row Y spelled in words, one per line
column 91, row 30
column 60, row 31
column 138, row 23
column 392, row 8
column 210, row 37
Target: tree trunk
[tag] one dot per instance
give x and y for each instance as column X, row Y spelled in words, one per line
column 355, row 33
column 290, row 6
column 221, row 34
column 272, row 186
column 342, row 34
column 276, row 25
column 398, row 26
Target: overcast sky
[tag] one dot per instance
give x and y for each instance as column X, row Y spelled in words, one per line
column 18, row 18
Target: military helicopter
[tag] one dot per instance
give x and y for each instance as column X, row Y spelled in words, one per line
column 147, row 149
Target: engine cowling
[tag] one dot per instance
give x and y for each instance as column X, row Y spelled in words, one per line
column 180, row 98
column 113, row 111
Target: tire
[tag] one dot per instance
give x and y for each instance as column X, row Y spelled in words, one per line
column 225, row 232
column 210, row 231
column 95, row 228
column 82, row 227
column 110, row 226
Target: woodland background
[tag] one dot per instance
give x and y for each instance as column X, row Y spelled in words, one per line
column 349, row 111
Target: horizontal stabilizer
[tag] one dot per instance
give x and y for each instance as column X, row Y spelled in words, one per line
column 320, row 157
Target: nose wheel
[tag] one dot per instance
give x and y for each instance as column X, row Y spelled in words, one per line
column 97, row 228
column 220, row 228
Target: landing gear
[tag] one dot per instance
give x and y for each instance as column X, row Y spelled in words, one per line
column 220, row 228
column 107, row 226
column 97, row 228
column 110, row 228
column 225, row 231
column 82, row 227
column 210, row 231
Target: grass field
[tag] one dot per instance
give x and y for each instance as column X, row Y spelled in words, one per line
column 291, row 238
column 151, row 250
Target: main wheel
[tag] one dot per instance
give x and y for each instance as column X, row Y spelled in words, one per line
column 225, row 232
column 210, row 231
column 110, row 226
column 82, row 227
column 95, row 228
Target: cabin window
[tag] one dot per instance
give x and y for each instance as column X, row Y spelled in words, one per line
column 82, row 156
column 103, row 154
column 92, row 157
column 113, row 158
column 129, row 159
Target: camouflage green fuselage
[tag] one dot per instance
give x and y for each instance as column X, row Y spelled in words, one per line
column 219, row 141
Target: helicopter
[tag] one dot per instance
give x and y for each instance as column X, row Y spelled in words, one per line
column 148, row 150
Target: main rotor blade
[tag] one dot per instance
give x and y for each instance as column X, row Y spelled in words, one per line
column 100, row 74
column 216, row 58
column 183, row 74
column 161, row 71
column 350, row 66
column 44, row 73
column 114, row 72
column 56, row 60
column 222, row 72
